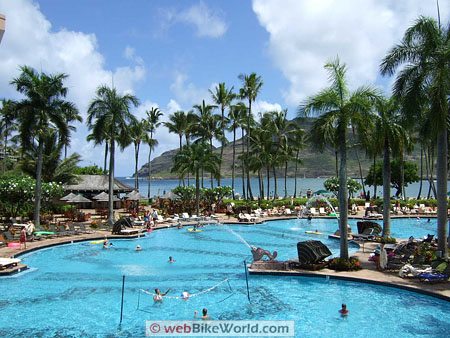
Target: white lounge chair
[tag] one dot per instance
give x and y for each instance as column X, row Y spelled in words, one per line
column 313, row 212
column 322, row 212
column 185, row 216
column 8, row 262
column 287, row 211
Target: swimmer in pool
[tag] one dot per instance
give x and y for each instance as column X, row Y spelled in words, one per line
column 138, row 248
column 171, row 260
column 204, row 314
column 158, row 297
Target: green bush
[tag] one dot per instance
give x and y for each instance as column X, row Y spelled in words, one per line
column 342, row 264
column 386, row 240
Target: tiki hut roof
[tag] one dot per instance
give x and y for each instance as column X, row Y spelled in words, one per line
column 96, row 184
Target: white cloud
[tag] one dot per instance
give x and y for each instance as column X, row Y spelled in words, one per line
column 173, row 106
column 187, row 93
column 30, row 40
column 305, row 34
column 207, row 22
column 261, row 106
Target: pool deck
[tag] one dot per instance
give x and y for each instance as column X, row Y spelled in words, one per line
column 368, row 274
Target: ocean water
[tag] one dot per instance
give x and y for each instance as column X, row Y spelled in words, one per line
column 74, row 290
column 161, row 186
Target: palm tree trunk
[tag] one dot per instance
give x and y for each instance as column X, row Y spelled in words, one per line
column 295, row 174
column 275, row 190
column 181, row 146
column 149, row 166
column 187, row 143
column 136, row 156
column 111, row 184
column 197, row 192
column 343, row 201
column 259, row 183
column 268, row 181
column 222, row 145
column 212, row 174
column 234, row 157
column 106, row 157
column 386, row 190
column 243, row 165
column 336, row 162
column 285, row 178
column 441, row 173
column 261, row 177
column 402, row 175
column 38, row 186
column 360, row 172
column 374, row 178
column 421, row 172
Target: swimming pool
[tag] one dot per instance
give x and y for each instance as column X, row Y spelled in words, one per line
column 75, row 289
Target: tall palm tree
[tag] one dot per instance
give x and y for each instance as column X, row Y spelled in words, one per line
column 251, row 86
column 297, row 142
column 109, row 112
column 178, row 124
column 235, row 115
column 206, row 126
column 153, row 116
column 424, row 54
column 223, row 98
column 8, row 124
column 392, row 137
column 194, row 158
column 98, row 140
column 43, row 108
column 341, row 108
column 138, row 134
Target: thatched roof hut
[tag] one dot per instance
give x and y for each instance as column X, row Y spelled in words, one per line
column 96, row 184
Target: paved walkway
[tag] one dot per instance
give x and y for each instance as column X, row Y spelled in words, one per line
column 368, row 273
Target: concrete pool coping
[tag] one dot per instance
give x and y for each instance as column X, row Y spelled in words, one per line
column 368, row 274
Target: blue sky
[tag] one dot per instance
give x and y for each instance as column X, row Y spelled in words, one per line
column 169, row 53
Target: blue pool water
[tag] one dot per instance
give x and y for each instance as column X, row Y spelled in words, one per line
column 74, row 290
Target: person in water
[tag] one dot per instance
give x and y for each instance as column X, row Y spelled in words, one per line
column 158, row 297
column 309, row 218
column 185, row 295
column 138, row 248
column 171, row 260
column 343, row 311
column 204, row 314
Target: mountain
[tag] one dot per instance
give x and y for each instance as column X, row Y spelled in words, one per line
column 314, row 163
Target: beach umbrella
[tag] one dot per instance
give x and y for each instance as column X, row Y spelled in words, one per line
column 79, row 199
column 67, row 197
column 134, row 192
column 322, row 192
column 100, row 196
column 169, row 195
column 135, row 197
column 106, row 198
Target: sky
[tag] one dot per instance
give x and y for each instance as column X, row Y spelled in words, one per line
column 170, row 53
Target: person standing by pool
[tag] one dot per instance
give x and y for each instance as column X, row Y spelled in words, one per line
column 23, row 238
column 343, row 311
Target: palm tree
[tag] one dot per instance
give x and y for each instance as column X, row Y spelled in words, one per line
column 43, row 108
column 153, row 117
column 8, row 125
column 251, row 86
column 297, row 142
column 223, row 98
column 109, row 112
column 235, row 116
column 194, row 159
column 206, row 126
column 392, row 137
column 424, row 52
column 98, row 140
column 138, row 134
column 341, row 108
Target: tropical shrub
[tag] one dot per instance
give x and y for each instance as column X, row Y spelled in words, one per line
column 17, row 195
column 332, row 184
column 342, row 264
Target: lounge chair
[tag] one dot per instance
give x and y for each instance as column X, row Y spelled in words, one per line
column 440, row 273
column 287, row 211
column 313, row 212
column 185, row 216
column 84, row 230
column 6, row 263
column 160, row 219
column 322, row 212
